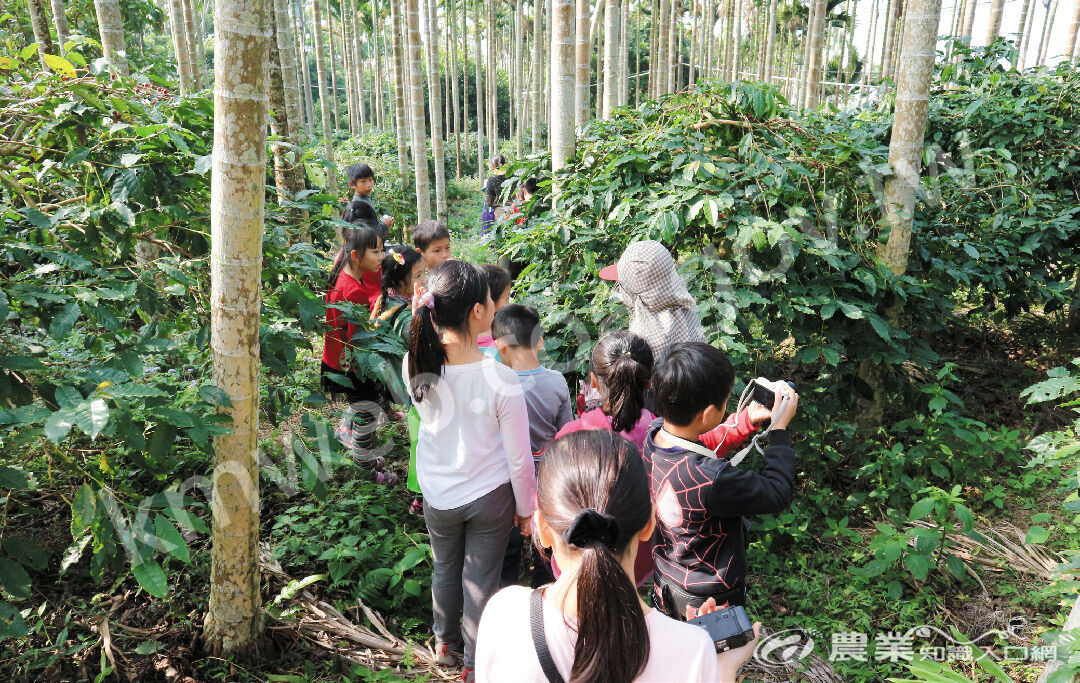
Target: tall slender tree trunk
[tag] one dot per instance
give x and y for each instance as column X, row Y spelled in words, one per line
column 111, row 29
column 519, row 79
column 654, row 47
column 582, row 64
column 887, row 58
column 673, row 55
column 348, row 58
column 969, row 22
column 710, row 39
column 1023, row 32
column 180, row 46
column 624, row 53
column 416, row 99
column 1070, row 42
column 994, row 27
column 61, row 23
column 1048, row 23
column 909, row 128
column 770, row 43
column 492, row 109
column 695, row 38
column 675, row 72
column 287, row 56
column 611, row 56
column 435, row 95
column 305, row 71
column 333, row 69
column 279, row 120
column 39, row 22
column 192, row 44
column 200, row 41
column 537, row 74
column 480, row 103
column 324, row 96
column 562, row 83
column 815, row 53
column 637, row 57
column 234, row 620
column 380, row 115
column 356, row 72
column 663, row 52
column 452, row 54
column 399, row 89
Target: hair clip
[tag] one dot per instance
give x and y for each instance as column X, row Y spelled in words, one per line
column 427, row 300
column 399, row 258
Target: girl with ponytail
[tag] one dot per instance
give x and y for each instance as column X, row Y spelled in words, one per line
column 621, row 370
column 473, row 460
column 592, row 508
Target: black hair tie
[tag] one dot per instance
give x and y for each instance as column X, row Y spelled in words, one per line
column 591, row 525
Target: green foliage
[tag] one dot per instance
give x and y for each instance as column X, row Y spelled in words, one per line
column 104, row 355
column 355, row 537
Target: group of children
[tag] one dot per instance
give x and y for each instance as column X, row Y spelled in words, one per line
column 483, row 410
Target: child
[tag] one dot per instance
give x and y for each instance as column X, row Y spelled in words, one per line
column 518, row 336
column 362, row 254
column 592, row 509
column 498, row 280
column 493, row 195
column 432, row 240
column 472, row 452
column 700, row 499
column 524, row 193
column 362, row 181
column 620, row 370
column 402, row 267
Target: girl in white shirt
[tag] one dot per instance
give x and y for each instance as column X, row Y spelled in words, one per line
column 473, row 459
column 592, row 508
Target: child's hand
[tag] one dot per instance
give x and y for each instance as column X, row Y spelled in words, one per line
column 731, row 660
column 524, row 524
column 758, row 413
column 781, row 421
column 417, row 292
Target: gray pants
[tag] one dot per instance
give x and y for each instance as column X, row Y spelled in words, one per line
column 467, row 544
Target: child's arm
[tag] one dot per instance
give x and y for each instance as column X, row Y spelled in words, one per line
column 737, row 492
column 514, row 426
column 731, row 434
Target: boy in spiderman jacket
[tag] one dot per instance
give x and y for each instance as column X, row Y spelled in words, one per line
column 700, row 497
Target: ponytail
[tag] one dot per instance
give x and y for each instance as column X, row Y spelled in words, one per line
column 622, row 363
column 593, row 491
column 453, row 289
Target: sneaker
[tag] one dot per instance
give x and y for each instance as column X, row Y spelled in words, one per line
column 468, row 675
column 443, row 655
column 385, row 478
column 417, row 507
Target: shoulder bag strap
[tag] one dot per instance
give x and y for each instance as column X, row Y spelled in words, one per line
column 536, row 624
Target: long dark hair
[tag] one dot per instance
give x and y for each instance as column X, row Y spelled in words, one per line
column 498, row 279
column 456, row 286
column 599, row 476
column 395, row 274
column 356, row 239
column 623, row 365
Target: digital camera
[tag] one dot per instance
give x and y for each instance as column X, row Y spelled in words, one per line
column 729, row 627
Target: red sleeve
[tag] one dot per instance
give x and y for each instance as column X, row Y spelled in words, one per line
column 729, row 435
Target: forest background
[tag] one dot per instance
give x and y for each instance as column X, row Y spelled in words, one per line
column 937, row 445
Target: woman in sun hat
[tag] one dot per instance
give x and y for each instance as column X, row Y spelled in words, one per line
column 662, row 312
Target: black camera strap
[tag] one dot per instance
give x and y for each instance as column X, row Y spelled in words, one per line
column 536, row 624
